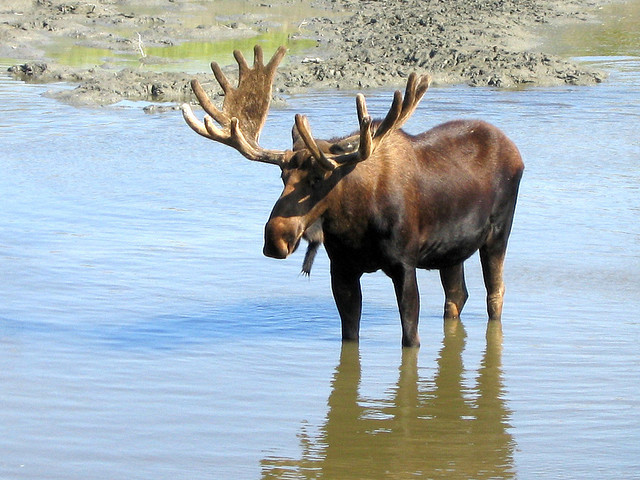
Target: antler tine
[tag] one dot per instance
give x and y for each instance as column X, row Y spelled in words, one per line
column 276, row 59
column 366, row 141
column 207, row 104
column 243, row 66
column 365, row 148
column 409, row 93
column 423, row 85
column 304, row 130
column 195, row 124
column 258, row 57
column 361, row 107
column 221, row 78
column 416, row 88
column 391, row 120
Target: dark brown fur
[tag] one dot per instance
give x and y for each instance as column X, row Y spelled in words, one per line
column 313, row 235
column 385, row 200
column 427, row 201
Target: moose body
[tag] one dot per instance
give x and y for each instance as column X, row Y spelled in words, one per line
column 386, row 200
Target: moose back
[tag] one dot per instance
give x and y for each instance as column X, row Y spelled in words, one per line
column 384, row 199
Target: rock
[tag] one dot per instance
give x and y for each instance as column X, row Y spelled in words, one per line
column 28, row 71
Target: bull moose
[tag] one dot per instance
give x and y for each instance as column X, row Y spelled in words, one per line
column 386, row 200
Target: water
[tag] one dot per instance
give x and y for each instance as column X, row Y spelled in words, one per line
column 616, row 31
column 276, row 25
column 143, row 335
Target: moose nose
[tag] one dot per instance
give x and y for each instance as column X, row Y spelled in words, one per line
column 277, row 250
column 279, row 240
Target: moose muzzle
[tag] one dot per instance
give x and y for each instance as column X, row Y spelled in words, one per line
column 281, row 237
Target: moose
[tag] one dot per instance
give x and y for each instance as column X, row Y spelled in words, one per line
column 383, row 199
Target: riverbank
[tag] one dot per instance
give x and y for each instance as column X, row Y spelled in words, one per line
column 349, row 44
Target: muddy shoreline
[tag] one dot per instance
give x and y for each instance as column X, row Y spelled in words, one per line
column 355, row 45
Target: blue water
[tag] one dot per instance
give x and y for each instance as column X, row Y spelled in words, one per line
column 143, row 334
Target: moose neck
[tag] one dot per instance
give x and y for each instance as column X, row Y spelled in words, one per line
column 375, row 177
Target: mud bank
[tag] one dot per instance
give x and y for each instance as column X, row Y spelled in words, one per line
column 350, row 44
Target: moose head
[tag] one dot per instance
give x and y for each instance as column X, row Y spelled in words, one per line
column 378, row 198
column 312, row 168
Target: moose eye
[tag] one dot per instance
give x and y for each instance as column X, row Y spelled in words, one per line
column 316, row 178
column 314, row 181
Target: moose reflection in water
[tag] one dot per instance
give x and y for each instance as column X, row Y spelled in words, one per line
column 436, row 427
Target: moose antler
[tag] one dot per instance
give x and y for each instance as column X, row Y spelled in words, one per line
column 399, row 112
column 244, row 109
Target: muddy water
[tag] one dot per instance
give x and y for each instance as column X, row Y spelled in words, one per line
column 143, row 335
column 241, row 25
column 616, row 32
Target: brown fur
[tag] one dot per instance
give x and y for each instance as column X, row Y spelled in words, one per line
column 379, row 199
column 427, row 201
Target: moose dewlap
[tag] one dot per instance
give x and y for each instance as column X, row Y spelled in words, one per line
column 379, row 199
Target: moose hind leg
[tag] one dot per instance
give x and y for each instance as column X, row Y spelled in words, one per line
column 493, row 252
column 492, row 261
column 455, row 290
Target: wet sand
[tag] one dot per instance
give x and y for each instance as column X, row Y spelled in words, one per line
column 359, row 45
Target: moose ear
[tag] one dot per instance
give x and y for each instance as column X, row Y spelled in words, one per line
column 345, row 146
column 298, row 142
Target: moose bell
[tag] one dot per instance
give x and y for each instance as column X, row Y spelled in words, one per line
column 384, row 199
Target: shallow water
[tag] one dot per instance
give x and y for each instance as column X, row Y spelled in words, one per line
column 615, row 31
column 143, row 335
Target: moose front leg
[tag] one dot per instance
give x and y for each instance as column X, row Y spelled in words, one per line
column 406, row 286
column 348, row 297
